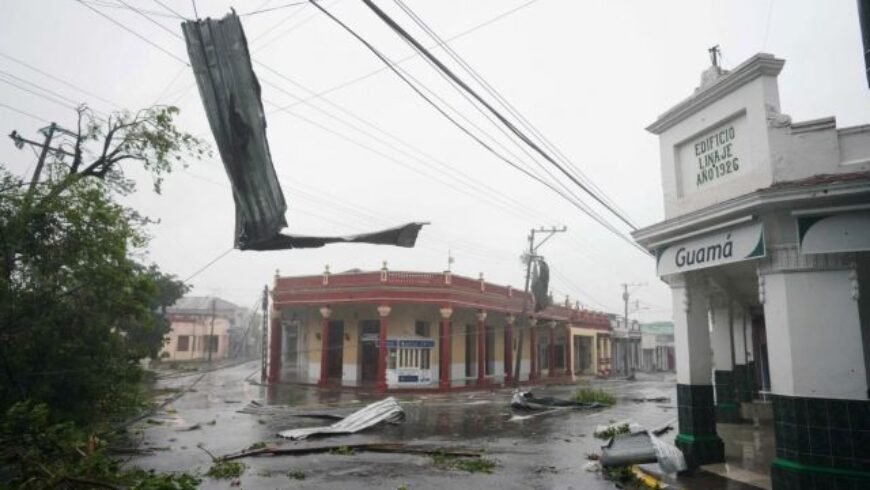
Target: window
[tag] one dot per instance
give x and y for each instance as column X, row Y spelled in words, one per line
column 183, row 344
column 421, row 328
column 392, row 359
column 424, row 358
column 210, row 343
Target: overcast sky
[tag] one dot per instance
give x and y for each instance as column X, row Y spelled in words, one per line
column 590, row 75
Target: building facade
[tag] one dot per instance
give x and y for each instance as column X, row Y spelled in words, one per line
column 765, row 247
column 199, row 325
column 657, row 346
column 415, row 330
column 626, row 345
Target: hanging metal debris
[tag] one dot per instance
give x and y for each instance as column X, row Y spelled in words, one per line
column 230, row 93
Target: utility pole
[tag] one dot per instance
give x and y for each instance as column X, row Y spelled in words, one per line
column 264, row 309
column 211, row 331
column 42, row 155
column 524, row 320
column 627, row 350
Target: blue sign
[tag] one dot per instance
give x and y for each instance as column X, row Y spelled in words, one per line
column 410, row 344
column 408, row 378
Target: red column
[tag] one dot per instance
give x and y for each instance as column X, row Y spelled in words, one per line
column 481, row 348
column 508, row 349
column 444, row 349
column 533, row 350
column 324, row 345
column 381, row 383
column 552, row 348
column 275, row 348
column 569, row 342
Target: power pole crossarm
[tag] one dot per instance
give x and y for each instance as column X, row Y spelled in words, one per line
column 524, row 317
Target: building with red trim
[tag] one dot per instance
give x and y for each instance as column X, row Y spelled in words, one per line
column 395, row 330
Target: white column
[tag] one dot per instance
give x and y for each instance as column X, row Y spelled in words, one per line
column 720, row 337
column 740, row 342
column 691, row 331
column 813, row 326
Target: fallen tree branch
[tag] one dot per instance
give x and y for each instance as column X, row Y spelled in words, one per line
column 88, row 483
column 372, row 448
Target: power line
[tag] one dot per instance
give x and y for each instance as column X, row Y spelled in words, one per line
column 168, row 8
column 504, row 102
column 131, row 31
column 104, row 3
column 286, row 31
column 24, row 113
column 404, row 34
column 158, row 24
column 209, row 264
column 458, row 35
column 395, row 70
column 58, row 79
column 32, row 92
column 270, row 9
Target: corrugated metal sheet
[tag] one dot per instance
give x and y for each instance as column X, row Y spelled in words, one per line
column 386, row 410
column 230, row 93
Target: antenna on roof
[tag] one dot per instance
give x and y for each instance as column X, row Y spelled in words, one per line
column 715, row 55
column 449, row 260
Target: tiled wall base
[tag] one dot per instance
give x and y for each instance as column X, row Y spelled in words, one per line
column 727, row 408
column 821, row 443
column 744, row 382
column 697, row 421
column 787, row 475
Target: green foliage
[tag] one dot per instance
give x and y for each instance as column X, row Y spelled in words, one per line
column 342, row 451
column 226, row 469
column 296, row 475
column 592, row 395
column 471, row 465
column 613, row 430
column 77, row 310
column 38, row 453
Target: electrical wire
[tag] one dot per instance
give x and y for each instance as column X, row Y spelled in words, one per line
column 382, row 69
column 23, row 113
column 131, row 31
column 395, row 70
column 426, row 53
column 58, row 79
column 505, row 103
column 270, row 9
column 209, row 264
column 158, row 24
column 168, row 8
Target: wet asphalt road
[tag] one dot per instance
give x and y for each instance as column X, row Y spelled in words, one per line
column 546, row 451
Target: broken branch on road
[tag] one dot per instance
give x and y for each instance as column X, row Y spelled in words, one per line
column 372, row 448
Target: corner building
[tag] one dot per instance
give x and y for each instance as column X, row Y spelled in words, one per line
column 401, row 330
column 765, row 247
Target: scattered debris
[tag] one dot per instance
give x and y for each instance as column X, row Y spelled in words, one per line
column 386, row 410
column 615, row 429
column 342, row 451
column 656, row 399
column 225, row 470
column 526, row 400
column 592, row 467
column 472, row 465
column 373, row 448
column 192, row 427
column 642, row 447
column 593, row 456
column 296, row 475
column 592, row 395
column 546, row 469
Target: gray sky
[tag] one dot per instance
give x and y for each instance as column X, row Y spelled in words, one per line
column 589, row 74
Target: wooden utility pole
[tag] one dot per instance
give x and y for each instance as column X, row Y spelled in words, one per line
column 264, row 310
column 628, row 349
column 524, row 317
column 39, row 164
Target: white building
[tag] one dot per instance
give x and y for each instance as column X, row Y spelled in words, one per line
column 657, row 346
column 765, row 239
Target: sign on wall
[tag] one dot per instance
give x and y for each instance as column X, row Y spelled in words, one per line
column 843, row 232
column 733, row 244
column 713, row 157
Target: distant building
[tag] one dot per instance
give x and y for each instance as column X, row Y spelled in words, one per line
column 626, row 345
column 657, row 346
column 438, row 331
column 199, row 324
